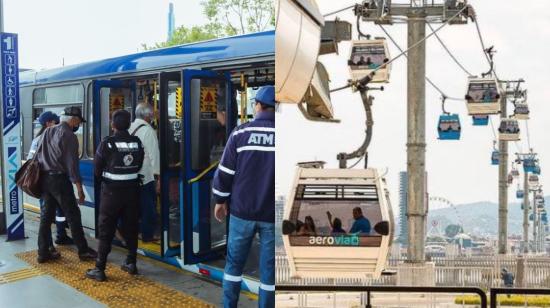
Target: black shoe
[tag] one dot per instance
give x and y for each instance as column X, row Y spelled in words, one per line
column 65, row 240
column 96, row 274
column 130, row 268
column 51, row 255
column 90, row 254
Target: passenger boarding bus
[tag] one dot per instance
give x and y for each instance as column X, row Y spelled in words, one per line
column 196, row 90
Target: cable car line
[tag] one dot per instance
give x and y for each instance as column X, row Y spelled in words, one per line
column 340, row 10
column 427, row 78
column 449, row 52
column 368, row 78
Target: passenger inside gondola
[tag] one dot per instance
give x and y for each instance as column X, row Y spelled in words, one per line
column 372, row 57
column 308, row 228
column 361, row 224
column 509, row 126
column 335, row 225
column 448, row 125
column 482, row 92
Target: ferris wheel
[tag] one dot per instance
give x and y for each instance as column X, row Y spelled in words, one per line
column 441, row 203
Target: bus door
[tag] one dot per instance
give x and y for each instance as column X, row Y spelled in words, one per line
column 107, row 97
column 171, row 163
column 208, row 119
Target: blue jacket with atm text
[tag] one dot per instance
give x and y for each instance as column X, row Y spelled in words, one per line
column 246, row 174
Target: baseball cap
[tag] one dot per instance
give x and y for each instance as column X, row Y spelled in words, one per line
column 266, row 95
column 74, row 112
column 48, row 116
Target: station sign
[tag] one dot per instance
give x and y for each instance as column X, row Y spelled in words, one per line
column 11, row 137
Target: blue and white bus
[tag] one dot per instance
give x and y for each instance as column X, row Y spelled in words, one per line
column 197, row 91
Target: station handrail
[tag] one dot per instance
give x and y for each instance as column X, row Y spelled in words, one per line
column 519, row 291
column 387, row 289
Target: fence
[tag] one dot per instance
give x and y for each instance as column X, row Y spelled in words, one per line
column 483, row 272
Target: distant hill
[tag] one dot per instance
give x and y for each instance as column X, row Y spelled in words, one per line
column 479, row 218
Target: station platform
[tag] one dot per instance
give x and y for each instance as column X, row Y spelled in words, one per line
column 62, row 283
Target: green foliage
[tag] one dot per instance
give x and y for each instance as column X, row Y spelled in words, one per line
column 183, row 35
column 452, row 230
column 503, row 300
column 225, row 18
column 240, row 16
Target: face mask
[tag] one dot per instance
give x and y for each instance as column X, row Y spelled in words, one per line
column 75, row 129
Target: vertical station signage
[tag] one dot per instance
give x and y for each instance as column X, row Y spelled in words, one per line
column 11, row 137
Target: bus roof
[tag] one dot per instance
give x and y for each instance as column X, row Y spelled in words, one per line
column 235, row 47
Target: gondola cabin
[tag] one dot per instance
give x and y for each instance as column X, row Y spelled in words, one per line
column 521, row 111
column 536, row 170
column 480, row 120
column 495, row 157
column 483, row 96
column 448, row 127
column 533, row 180
column 509, row 130
column 298, row 26
column 519, row 194
column 337, row 223
column 529, row 164
column 544, row 217
column 368, row 55
column 515, row 173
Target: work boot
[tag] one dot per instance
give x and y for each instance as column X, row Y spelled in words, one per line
column 89, row 254
column 51, row 255
column 129, row 267
column 65, row 240
column 96, row 274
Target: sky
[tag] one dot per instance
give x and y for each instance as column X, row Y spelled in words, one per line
column 457, row 170
column 85, row 30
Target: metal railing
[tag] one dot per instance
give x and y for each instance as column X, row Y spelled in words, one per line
column 384, row 289
column 473, row 272
column 496, row 291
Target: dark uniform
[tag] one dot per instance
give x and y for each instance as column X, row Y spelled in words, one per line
column 117, row 162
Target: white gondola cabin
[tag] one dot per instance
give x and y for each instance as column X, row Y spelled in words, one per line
column 533, row 180
column 368, row 55
column 483, row 96
column 521, row 111
column 509, row 130
column 337, row 224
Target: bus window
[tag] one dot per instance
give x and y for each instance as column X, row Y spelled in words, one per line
column 113, row 99
column 250, row 95
column 208, row 122
column 56, row 99
column 173, row 147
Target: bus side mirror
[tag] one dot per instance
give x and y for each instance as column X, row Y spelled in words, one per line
column 382, row 228
column 288, row 227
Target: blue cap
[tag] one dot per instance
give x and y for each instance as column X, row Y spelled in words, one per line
column 48, row 116
column 266, row 95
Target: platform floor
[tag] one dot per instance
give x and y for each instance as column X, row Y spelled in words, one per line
column 62, row 283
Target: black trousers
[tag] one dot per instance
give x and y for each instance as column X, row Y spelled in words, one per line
column 58, row 192
column 118, row 203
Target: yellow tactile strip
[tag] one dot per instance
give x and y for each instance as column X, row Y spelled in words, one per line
column 120, row 289
column 19, row 274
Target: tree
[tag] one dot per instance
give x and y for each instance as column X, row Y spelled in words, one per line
column 240, row 16
column 184, row 35
column 225, row 18
column 452, row 230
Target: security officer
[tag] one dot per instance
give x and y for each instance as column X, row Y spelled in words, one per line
column 245, row 180
column 117, row 161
